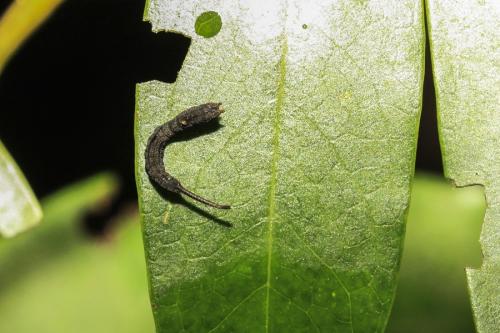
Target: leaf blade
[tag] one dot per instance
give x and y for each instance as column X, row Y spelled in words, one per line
column 300, row 126
column 464, row 43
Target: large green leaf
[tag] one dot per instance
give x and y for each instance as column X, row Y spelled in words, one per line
column 316, row 155
column 464, row 47
column 19, row 208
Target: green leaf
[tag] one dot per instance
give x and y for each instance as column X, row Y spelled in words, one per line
column 54, row 276
column 19, row 208
column 464, row 49
column 441, row 239
column 315, row 155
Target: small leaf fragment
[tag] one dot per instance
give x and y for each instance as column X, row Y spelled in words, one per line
column 208, row 24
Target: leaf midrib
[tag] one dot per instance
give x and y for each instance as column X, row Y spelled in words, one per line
column 274, row 170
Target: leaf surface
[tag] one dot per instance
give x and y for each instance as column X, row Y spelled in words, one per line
column 464, row 38
column 315, row 155
column 19, row 208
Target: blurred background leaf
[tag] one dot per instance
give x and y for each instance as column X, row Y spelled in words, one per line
column 19, row 208
column 19, row 21
column 441, row 240
column 57, row 279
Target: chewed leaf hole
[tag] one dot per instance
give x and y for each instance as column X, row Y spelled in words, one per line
column 208, row 24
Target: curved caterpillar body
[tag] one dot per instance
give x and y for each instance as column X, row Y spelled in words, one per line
column 157, row 142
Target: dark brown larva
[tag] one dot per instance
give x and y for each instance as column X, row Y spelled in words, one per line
column 161, row 136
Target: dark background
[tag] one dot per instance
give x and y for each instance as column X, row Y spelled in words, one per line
column 67, row 97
